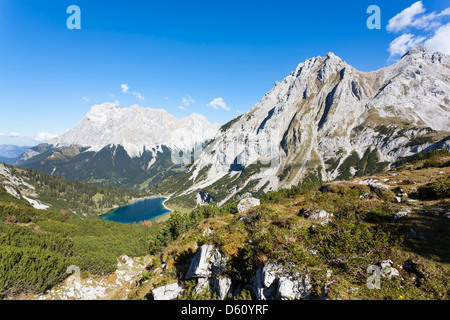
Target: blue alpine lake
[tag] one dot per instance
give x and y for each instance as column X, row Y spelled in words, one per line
column 142, row 210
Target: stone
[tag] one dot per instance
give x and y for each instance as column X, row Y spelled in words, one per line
column 400, row 214
column 320, row 214
column 221, row 286
column 274, row 282
column 387, row 270
column 373, row 184
column 169, row 292
column 265, row 277
column 294, row 288
column 206, row 263
column 202, row 285
column 247, row 203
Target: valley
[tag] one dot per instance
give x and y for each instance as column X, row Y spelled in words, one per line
column 333, row 173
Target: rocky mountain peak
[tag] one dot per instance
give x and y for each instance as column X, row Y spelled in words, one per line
column 136, row 128
column 325, row 112
column 417, row 50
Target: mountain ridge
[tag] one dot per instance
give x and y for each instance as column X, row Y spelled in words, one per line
column 136, row 128
column 319, row 115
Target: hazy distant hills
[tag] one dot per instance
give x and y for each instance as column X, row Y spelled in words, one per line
column 9, row 153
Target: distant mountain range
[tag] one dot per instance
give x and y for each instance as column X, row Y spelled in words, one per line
column 9, row 153
column 114, row 145
column 324, row 121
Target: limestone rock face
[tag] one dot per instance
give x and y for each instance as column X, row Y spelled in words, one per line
column 275, row 282
column 222, row 286
column 323, row 112
column 206, row 263
column 169, row 292
column 205, row 266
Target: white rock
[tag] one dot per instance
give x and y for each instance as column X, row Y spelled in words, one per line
column 169, row 292
column 293, row 288
column 247, row 203
column 387, row 270
column 221, row 286
column 400, row 214
column 206, row 263
column 273, row 282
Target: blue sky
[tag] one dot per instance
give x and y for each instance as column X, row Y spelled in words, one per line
column 217, row 58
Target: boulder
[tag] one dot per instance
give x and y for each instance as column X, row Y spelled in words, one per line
column 169, row 292
column 274, row 282
column 206, row 263
column 247, row 203
column 221, row 286
column 320, row 214
column 294, row 288
column 204, row 198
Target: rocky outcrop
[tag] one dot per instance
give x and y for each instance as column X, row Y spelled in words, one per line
column 206, row 266
column 272, row 281
column 221, row 285
column 204, row 198
column 169, row 292
column 374, row 184
column 247, row 203
column 275, row 282
column 206, row 263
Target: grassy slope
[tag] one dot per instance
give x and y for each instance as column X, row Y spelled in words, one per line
column 37, row 246
column 362, row 233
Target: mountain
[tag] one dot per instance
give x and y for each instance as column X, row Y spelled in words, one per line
column 316, row 242
column 9, row 153
column 325, row 121
column 122, row 146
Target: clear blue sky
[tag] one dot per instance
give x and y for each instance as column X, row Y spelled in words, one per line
column 165, row 51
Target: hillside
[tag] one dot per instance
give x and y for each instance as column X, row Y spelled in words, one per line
column 37, row 246
column 317, row 240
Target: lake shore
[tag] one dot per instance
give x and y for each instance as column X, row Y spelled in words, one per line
column 164, row 216
column 159, row 218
